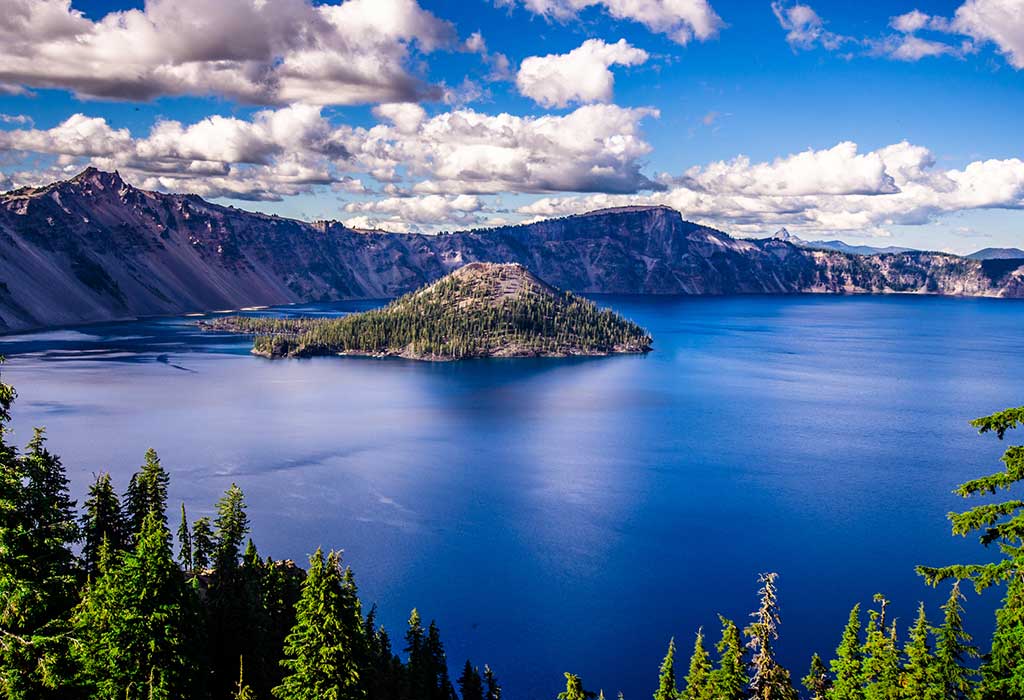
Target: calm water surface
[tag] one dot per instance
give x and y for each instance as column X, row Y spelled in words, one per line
column 559, row 515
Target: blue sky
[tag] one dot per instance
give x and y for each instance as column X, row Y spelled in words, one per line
column 892, row 123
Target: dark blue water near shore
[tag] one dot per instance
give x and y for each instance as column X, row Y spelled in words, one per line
column 561, row 515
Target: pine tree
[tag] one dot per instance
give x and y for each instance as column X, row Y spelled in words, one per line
column 1002, row 524
column 846, row 667
column 952, row 649
column 185, row 542
column 471, row 687
column 817, row 680
column 231, row 526
column 136, row 623
column 318, row 653
column 493, row 689
column 770, row 681
column 574, row 689
column 917, row 669
column 202, row 544
column 667, row 676
column 698, row 678
column 38, row 572
column 880, row 665
column 443, row 689
column 147, row 493
column 102, row 521
column 730, row 679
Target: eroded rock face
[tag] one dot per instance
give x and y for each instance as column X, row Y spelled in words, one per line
column 95, row 248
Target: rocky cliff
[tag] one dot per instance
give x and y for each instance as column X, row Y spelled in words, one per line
column 95, row 248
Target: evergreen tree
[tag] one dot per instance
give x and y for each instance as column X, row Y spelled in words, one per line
column 442, row 688
column 880, row 665
column 574, row 689
column 846, row 667
column 698, row 678
column 1002, row 524
column 202, row 544
column 493, row 689
column 952, row 649
column 817, row 680
column 770, row 681
column 147, row 493
column 102, row 521
column 730, row 679
column 471, row 686
column 136, row 625
column 232, row 525
column 318, row 653
column 185, row 542
column 917, row 683
column 38, row 572
column 667, row 676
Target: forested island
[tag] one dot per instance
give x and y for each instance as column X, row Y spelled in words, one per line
column 103, row 602
column 480, row 310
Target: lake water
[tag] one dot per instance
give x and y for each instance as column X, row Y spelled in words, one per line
column 559, row 515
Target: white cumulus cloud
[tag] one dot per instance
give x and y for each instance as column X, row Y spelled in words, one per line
column 582, row 75
column 681, row 20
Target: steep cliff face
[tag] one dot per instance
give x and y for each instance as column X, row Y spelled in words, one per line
column 95, row 248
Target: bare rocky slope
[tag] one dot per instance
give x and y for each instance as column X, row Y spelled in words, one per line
column 94, row 248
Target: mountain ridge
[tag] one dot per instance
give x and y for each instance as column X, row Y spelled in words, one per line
column 95, row 248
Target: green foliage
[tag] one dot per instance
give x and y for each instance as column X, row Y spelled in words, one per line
column 952, row 650
column 38, row 572
column 203, row 544
column 136, row 622
column 730, row 679
column 846, row 667
column 574, row 689
column 102, row 522
column 231, row 526
column 185, row 542
column 320, row 652
column 880, row 667
column 698, row 680
column 817, row 680
column 502, row 310
column 918, row 669
column 492, row 688
column 147, row 493
column 667, row 676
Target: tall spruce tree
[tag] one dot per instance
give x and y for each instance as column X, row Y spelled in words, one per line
column 846, row 667
column 185, row 542
column 880, row 665
column 698, row 684
column 231, row 527
column 817, row 680
column 918, row 675
column 667, row 689
column 770, row 680
column 102, row 521
column 136, row 625
column 952, row 650
column 38, row 572
column 729, row 680
column 574, row 689
column 1001, row 524
column 147, row 493
column 471, row 686
column 203, row 544
column 319, row 652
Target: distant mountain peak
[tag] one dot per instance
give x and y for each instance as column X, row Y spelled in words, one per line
column 99, row 179
column 997, row 254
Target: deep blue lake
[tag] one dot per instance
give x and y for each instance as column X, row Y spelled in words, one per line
column 572, row 515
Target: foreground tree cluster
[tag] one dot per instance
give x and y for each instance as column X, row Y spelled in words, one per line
column 128, row 619
column 96, row 604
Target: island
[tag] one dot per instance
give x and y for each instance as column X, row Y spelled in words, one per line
column 479, row 310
